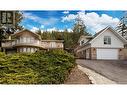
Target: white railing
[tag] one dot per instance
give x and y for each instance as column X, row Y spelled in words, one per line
column 34, row 43
column 51, row 45
column 7, row 44
column 13, row 43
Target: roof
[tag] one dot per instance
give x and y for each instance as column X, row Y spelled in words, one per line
column 26, row 30
column 83, row 36
column 103, row 30
column 100, row 32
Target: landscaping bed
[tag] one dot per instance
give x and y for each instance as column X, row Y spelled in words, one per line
column 76, row 76
column 51, row 67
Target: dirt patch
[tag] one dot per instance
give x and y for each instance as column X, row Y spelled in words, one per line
column 77, row 77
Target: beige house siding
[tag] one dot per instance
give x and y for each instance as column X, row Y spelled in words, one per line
column 27, row 41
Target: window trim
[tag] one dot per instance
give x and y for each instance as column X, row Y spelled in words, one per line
column 107, row 40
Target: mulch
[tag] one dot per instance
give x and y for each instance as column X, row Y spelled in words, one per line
column 76, row 76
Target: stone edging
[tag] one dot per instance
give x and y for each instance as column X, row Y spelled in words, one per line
column 94, row 77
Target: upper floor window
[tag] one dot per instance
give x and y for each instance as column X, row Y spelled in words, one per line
column 26, row 39
column 107, row 40
column 53, row 44
column 82, row 42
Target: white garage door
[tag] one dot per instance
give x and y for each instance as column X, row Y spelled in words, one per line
column 107, row 54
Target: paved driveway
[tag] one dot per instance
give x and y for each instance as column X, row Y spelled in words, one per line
column 114, row 70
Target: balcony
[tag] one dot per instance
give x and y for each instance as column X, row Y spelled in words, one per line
column 37, row 43
column 9, row 44
column 51, row 44
column 27, row 43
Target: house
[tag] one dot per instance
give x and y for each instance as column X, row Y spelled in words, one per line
column 106, row 44
column 27, row 41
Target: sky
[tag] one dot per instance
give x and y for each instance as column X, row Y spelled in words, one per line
column 60, row 20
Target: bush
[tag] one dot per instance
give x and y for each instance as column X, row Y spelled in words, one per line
column 50, row 67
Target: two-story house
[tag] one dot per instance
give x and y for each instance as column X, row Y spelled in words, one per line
column 27, row 41
column 106, row 44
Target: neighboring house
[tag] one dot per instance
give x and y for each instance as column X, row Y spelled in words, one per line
column 106, row 44
column 27, row 41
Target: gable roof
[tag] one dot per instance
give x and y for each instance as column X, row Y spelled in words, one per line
column 86, row 37
column 112, row 30
column 26, row 30
column 99, row 33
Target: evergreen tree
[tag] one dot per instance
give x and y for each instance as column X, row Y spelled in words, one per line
column 78, row 30
column 122, row 26
column 6, row 31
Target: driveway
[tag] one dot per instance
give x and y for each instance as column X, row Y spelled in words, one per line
column 113, row 70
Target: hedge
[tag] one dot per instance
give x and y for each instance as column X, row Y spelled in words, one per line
column 51, row 67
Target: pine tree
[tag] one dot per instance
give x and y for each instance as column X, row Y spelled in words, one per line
column 122, row 26
column 78, row 30
column 6, row 31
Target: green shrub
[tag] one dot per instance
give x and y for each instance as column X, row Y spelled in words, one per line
column 42, row 67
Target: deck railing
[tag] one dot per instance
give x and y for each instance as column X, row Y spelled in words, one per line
column 34, row 43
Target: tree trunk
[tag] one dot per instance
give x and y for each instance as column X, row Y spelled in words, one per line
column 0, row 45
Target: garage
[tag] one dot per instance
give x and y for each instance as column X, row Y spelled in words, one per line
column 108, row 54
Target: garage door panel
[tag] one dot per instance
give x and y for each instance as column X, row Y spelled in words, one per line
column 107, row 54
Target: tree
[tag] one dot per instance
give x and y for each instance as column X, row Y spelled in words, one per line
column 122, row 26
column 6, row 31
column 18, row 19
column 78, row 30
column 67, row 39
column 57, row 35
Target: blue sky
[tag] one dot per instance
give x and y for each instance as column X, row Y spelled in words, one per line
column 60, row 20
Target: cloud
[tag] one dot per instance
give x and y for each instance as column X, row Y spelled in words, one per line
column 93, row 21
column 35, row 18
column 65, row 12
column 49, row 21
column 69, row 30
column 52, row 29
column 42, row 26
column 70, row 17
column 34, row 29
column 55, row 29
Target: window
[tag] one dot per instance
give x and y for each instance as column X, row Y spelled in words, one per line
column 28, row 39
column 21, row 39
column 21, row 49
column 82, row 42
column 6, row 17
column 32, row 40
column 24, row 49
column 32, row 49
column 28, row 49
column 53, row 44
column 107, row 40
column 24, row 39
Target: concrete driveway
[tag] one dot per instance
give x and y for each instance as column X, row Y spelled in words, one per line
column 113, row 70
